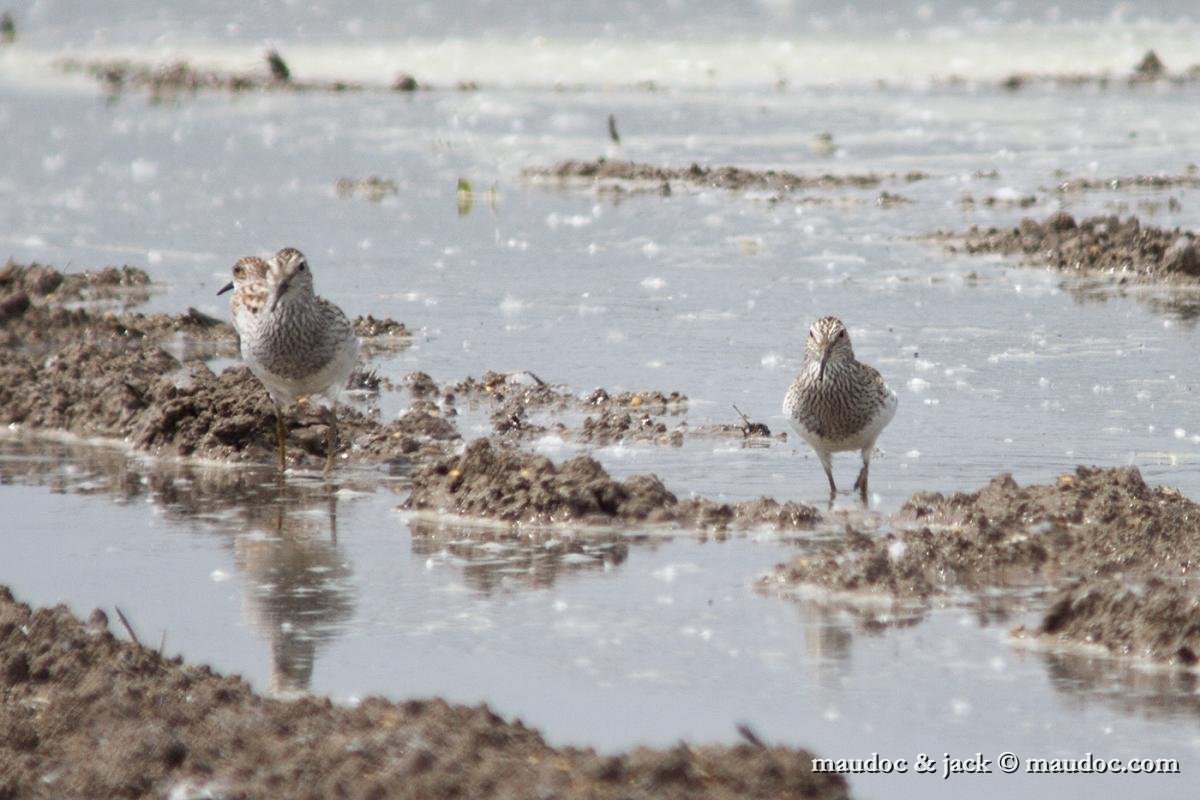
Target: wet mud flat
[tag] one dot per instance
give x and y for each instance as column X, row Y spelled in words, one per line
column 115, row 376
column 84, row 714
column 1114, row 559
column 1124, row 249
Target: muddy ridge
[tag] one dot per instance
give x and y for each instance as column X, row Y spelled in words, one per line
column 498, row 482
column 1190, row 180
column 1100, row 245
column 175, row 78
column 1108, row 546
column 83, row 714
column 145, row 396
column 1149, row 70
column 43, row 281
column 728, row 177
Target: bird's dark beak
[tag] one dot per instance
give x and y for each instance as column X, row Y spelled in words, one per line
column 283, row 287
column 824, row 359
column 226, row 288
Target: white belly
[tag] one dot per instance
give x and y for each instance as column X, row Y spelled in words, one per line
column 862, row 439
column 327, row 381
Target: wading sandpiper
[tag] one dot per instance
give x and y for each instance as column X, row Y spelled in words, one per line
column 297, row 344
column 838, row 403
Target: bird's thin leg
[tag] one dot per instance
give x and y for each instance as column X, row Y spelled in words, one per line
column 281, row 437
column 861, row 482
column 330, row 436
column 827, row 463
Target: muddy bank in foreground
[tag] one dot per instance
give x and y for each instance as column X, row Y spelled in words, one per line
column 1124, row 249
column 85, row 715
column 1119, row 557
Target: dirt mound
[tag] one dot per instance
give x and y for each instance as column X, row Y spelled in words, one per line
column 369, row 327
column 46, row 326
column 1155, row 618
column 1108, row 245
column 41, row 280
column 616, row 426
column 1102, row 527
column 497, row 482
column 85, row 715
column 147, row 397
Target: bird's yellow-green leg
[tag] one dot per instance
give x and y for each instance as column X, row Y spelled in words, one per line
column 330, row 436
column 281, row 438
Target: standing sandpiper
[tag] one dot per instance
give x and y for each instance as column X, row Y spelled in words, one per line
column 296, row 343
column 836, row 402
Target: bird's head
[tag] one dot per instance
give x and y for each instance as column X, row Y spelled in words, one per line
column 288, row 275
column 246, row 270
column 828, row 344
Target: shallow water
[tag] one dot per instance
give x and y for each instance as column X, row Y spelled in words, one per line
column 646, row 638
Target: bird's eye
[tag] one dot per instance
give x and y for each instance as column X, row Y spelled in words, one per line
column 303, row 266
column 841, row 334
column 239, row 272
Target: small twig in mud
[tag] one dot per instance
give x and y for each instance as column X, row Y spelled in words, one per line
column 279, row 67
column 750, row 736
column 536, row 379
column 464, row 197
column 751, row 428
column 8, row 29
column 612, row 129
column 128, row 627
column 162, row 642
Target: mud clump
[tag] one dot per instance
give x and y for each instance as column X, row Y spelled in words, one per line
column 513, row 389
column 1106, row 245
column 503, row 483
column 373, row 188
column 1090, row 536
column 30, row 326
column 32, row 314
column 369, row 327
column 726, row 177
column 613, row 425
column 83, row 714
column 147, row 397
column 514, row 486
column 649, row 402
column 41, row 281
column 1156, row 618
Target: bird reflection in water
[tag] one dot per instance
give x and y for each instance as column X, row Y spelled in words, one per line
column 296, row 583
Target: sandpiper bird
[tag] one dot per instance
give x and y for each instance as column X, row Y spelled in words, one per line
column 296, row 343
column 836, row 402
